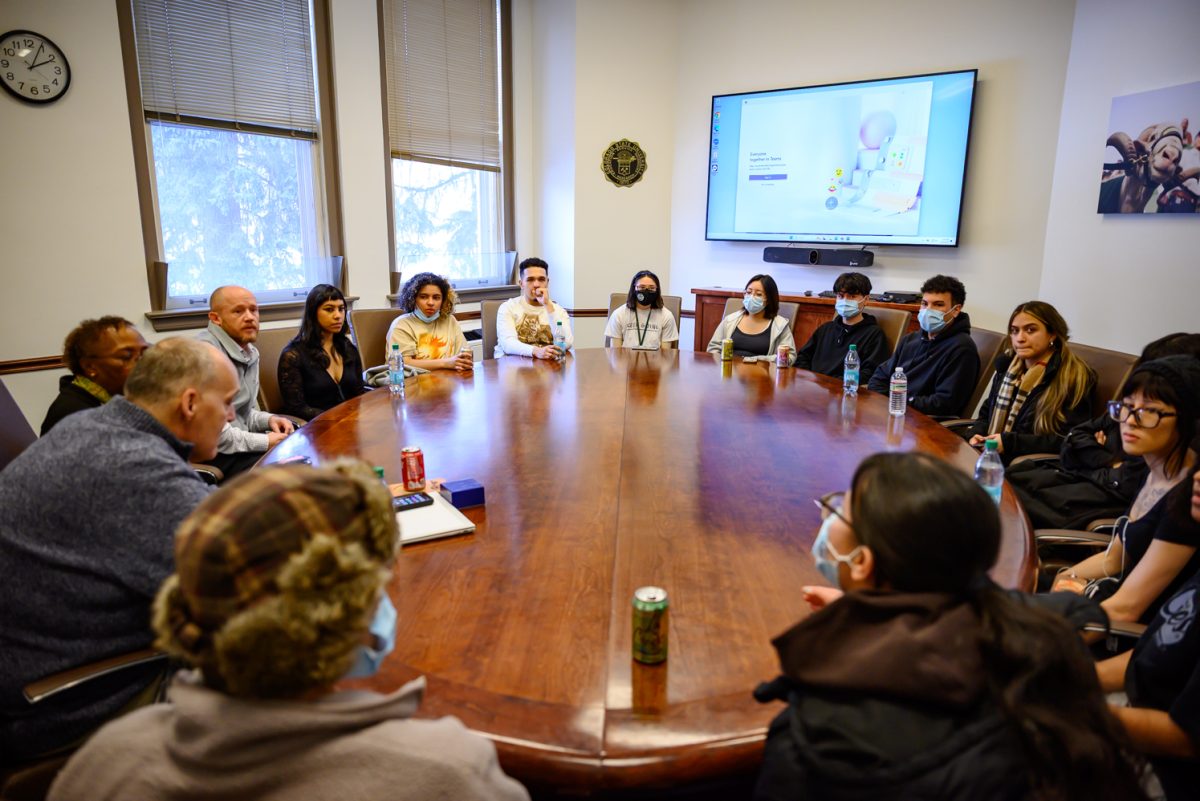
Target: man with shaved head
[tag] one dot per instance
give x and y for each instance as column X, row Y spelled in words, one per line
column 233, row 328
column 87, row 536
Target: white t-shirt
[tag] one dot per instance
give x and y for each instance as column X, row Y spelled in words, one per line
column 655, row 328
column 521, row 327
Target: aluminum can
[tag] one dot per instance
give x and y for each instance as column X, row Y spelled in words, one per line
column 726, row 350
column 412, row 466
column 781, row 356
column 650, row 618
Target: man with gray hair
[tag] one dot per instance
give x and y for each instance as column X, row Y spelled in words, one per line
column 232, row 329
column 87, row 536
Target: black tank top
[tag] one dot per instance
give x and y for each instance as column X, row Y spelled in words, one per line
column 751, row 344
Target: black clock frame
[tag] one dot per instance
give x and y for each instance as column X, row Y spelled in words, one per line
column 66, row 67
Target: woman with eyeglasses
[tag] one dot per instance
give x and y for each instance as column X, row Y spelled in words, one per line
column 757, row 329
column 642, row 322
column 1152, row 553
column 100, row 355
column 1041, row 389
column 916, row 676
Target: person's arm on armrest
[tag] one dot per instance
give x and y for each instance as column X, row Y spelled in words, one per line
column 1154, row 573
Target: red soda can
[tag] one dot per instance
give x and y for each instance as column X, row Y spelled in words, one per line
column 412, row 469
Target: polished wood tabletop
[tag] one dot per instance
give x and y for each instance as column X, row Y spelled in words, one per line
column 610, row 471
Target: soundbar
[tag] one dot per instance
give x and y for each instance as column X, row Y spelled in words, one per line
column 837, row 257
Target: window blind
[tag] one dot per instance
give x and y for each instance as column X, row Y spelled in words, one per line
column 229, row 63
column 443, row 90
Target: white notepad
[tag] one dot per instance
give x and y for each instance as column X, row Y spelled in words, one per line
column 439, row 519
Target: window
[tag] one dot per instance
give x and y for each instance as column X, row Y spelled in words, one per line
column 228, row 93
column 444, row 100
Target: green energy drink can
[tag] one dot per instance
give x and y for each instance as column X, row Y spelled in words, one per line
column 650, row 613
column 727, row 350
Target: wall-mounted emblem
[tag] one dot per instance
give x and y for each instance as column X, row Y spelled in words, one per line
column 624, row 163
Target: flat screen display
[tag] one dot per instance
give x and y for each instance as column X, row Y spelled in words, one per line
column 877, row 162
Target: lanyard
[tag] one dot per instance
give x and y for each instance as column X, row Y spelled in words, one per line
column 641, row 331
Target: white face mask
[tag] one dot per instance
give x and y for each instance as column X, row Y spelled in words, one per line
column 753, row 304
column 826, row 565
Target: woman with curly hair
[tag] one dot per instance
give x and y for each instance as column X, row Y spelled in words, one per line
column 100, row 354
column 428, row 334
column 320, row 367
column 280, row 592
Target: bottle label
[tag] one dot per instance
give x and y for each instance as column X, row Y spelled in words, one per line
column 850, row 376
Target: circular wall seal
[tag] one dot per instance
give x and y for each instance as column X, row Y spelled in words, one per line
column 624, row 163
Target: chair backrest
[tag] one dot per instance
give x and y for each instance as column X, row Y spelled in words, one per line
column 1112, row 368
column 487, row 323
column 672, row 303
column 15, row 432
column 894, row 323
column 270, row 343
column 370, row 333
column 988, row 345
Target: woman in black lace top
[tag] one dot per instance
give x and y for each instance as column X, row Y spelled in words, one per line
column 320, row 367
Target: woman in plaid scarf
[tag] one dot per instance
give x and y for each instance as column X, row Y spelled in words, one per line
column 1041, row 389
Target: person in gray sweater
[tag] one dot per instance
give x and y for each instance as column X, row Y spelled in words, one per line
column 280, row 592
column 90, row 510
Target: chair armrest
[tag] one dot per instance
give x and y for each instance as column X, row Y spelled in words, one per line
column 1033, row 457
column 1103, row 525
column 1118, row 629
column 210, row 475
column 1066, row 536
column 50, row 686
column 957, row 423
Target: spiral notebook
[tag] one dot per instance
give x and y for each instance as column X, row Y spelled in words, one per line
column 439, row 519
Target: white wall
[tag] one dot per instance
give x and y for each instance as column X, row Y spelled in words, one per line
column 1020, row 48
column 1120, row 280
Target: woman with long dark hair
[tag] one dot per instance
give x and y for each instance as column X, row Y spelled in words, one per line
column 1041, row 390
column 919, row 677
column 642, row 322
column 320, row 367
column 757, row 329
column 1152, row 553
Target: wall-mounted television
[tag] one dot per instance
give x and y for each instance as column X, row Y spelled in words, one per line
column 877, row 162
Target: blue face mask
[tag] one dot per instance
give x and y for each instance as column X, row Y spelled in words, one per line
column 931, row 320
column 822, row 550
column 847, row 308
column 753, row 304
column 421, row 315
column 383, row 627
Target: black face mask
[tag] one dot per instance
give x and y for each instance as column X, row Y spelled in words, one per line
column 646, row 297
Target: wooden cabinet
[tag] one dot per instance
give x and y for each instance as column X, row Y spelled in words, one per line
column 813, row 311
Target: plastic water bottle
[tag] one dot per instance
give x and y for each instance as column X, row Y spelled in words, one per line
column 560, row 340
column 850, row 372
column 898, row 392
column 395, row 364
column 989, row 470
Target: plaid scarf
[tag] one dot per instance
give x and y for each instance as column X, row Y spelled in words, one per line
column 1014, row 389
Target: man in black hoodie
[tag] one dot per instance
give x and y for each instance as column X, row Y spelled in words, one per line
column 825, row 351
column 940, row 360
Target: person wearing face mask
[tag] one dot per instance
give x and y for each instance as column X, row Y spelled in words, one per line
column 429, row 336
column 757, row 329
column 940, row 360
column 825, row 351
column 916, row 676
column 1041, row 389
column 279, row 592
column 642, row 322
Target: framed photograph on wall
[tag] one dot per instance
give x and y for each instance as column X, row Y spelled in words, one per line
column 1152, row 164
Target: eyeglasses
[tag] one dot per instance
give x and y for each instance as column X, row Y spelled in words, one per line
column 1144, row 417
column 831, row 504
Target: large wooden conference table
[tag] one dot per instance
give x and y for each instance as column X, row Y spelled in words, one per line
column 614, row 470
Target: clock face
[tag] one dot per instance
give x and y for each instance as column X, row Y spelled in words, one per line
column 32, row 67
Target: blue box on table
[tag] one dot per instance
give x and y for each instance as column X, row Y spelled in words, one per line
column 463, row 493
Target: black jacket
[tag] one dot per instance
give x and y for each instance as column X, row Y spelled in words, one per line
column 1083, row 456
column 941, row 371
column 306, row 386
column 1022, row 440
column 70, row 399
column 825, row 351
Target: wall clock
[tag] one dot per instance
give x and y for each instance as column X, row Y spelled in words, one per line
column 33, row 68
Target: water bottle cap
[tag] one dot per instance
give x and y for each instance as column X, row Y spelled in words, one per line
column 990, row 445
column 854, row 347
column 395, row 346
column 378, row 471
